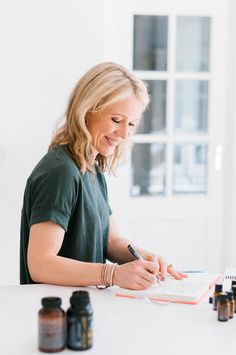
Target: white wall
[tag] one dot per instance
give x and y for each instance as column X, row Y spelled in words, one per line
column 229, row 236
column 45, row 46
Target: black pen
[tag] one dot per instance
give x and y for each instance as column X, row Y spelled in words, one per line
column 136, row 254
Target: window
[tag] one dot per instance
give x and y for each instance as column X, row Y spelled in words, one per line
column 170, row 150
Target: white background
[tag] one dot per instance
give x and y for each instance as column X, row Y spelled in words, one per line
column 45, row 46
column 186, row 229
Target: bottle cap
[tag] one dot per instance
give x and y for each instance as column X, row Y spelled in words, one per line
column 79, row 299
column 218, row 287
column 83, row 294
column 233, row 282
column 234, row 290
column 51, row 302
column 210, row 300
column 229, row 295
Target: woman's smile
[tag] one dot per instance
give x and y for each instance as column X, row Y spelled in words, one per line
column 113, row 125
column 111, row 142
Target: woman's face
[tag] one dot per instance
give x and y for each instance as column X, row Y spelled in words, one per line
column 110, row 127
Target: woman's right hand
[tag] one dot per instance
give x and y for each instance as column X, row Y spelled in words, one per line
column 136, row 275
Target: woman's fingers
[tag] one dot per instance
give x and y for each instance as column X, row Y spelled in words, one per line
column 163, row 268
column 161, row 264
column 176, row 274
column 141, row 274
column 152, row 266
column 138, row 274
column 149, row 277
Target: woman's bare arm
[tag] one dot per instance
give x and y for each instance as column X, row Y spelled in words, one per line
column 45, row 266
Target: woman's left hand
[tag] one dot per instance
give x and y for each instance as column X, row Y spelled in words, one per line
column 164, row 267
column 174, row 273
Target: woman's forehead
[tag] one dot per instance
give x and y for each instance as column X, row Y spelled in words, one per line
column 128, row 108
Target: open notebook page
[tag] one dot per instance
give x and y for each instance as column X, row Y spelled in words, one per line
column 188, row 290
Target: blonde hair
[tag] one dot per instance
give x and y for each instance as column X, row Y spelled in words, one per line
column 102, row 86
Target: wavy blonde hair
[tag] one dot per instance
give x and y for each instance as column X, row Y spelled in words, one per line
column 102, row 86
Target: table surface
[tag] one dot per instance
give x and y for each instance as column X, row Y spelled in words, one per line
column 121, row 325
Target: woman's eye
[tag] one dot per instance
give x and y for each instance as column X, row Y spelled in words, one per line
column 114, row 119
column 117, row 120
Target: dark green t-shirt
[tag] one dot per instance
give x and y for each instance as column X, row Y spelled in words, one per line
column 57, row 191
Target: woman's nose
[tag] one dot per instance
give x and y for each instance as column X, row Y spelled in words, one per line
column 123, row 130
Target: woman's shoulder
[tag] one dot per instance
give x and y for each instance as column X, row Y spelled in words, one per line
column 57, row 163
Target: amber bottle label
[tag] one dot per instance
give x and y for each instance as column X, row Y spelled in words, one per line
column 52, row 334
column 223, row 312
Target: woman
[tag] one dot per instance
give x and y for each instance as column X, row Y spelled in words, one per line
column 67, row 227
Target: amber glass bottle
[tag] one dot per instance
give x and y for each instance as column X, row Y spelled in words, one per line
column 223, row 307
column 51, row 325
column 234, row 296
column 231, row 303
column 218, row 289
column 233, row 283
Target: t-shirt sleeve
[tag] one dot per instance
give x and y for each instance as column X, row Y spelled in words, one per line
column 54, row 195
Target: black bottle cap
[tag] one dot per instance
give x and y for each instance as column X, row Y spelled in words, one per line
column 79, row 299
column 229, row 295
column 223, row 297
column 218, row 287
column 210, row 300
column 233, row 283
column 51, row 302
column 82, row 294
column 234, row 290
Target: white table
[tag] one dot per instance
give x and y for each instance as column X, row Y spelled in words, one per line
column 122, row 326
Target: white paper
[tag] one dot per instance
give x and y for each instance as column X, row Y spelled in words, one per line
column 229, row 276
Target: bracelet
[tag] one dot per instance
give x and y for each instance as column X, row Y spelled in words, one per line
column 103, row 273
column 112, row 274
column 104, row 276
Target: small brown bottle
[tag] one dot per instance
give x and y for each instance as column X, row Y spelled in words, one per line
column 234, row 296
column 231, row 303
column 223, row 307
column 233, row 282
column 218, row 289
column 51, row 325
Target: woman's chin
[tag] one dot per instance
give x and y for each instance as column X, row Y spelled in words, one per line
column 106, row 152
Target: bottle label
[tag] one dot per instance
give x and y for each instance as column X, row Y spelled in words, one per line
column 80, row 332
column 52, row 334
column 223, row 313
column 231, row 309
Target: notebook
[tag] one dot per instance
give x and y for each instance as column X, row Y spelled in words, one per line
column 229, row 276
column 190, row 290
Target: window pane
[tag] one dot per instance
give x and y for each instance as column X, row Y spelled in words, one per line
column 154, row 120
column 150, row 42
column 148, row 169
column 193, row 43
column 190, row 168
column 191, row 106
